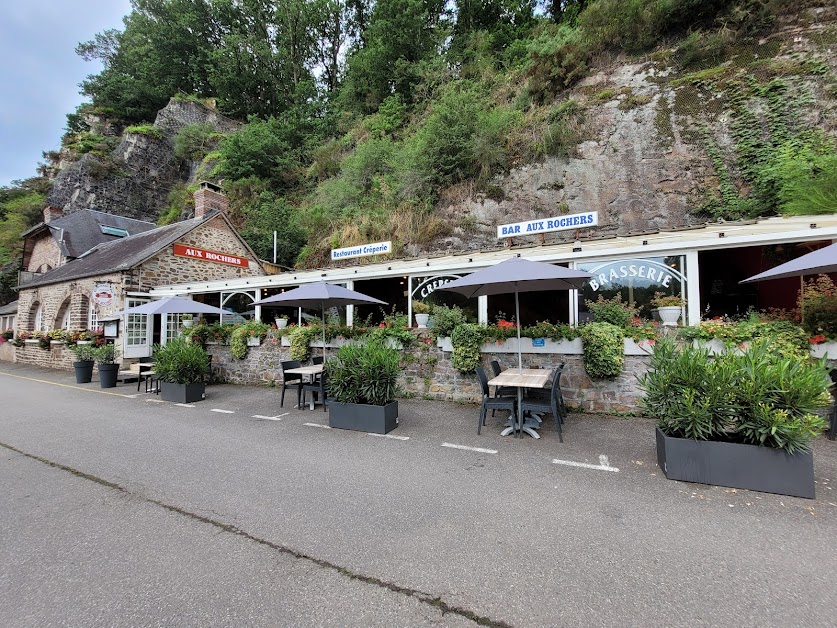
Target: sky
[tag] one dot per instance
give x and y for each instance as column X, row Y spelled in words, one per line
column 40, row 73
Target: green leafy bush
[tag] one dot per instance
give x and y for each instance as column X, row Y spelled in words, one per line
column 446, row 319
column 818, row 305
column 613, row 311
column 300, row 338
column 240, row 334
column 180, row 362
column 83, row 353
column 105, row 354
column 467, row 340
column 757, row 397
column 604, row 350
column 545, row 329
column 666, row 300
column 787, row 338
column 364, row 373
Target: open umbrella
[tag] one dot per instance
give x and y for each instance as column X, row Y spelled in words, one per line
column 820, row 261
column 518, row 275
column 320, row 294
column 173, row 305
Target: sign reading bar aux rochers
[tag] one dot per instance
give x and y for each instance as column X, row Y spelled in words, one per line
column 210, row 256
column 546, row 225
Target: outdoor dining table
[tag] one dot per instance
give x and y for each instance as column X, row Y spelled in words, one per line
column 311, row 371
column 520, row 379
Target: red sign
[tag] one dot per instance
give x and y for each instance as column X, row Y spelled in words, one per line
column 210, row 256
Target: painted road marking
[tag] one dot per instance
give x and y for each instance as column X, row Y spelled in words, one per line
column 155, row 401
column 389, row 436
column 328, row 427
column 185, row 405
column 46, row 381
column 130, row 396
column 465, row 447
column 604, row 466
column 222, row 411
column 278, row 417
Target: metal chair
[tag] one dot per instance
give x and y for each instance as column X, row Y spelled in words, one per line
column 294, row 380
column 554, row 404
column 502, row 391
column 489, row 402
column 318, row 389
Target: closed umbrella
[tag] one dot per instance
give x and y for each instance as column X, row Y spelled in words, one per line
column 320, row 294
column 518, row 275
column 173, row 305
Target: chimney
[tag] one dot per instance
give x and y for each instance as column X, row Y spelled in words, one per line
column 51, row 213
column 209, row 197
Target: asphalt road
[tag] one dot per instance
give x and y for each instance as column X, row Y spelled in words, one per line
column 119, row 510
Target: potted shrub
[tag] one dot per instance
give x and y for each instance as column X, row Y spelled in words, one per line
column 181, row 368
column 743, row 419
column 85, row 357
column 186, row 320
column 421, row 311
column 281, row 321
column 669, row 307
column 105, row 356
column 362, row 379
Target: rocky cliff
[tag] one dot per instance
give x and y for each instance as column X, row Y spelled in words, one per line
column 135, row 179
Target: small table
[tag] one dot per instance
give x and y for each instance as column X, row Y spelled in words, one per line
column 520, row 379
column 314, row 369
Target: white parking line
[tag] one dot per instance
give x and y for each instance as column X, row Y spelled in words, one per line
column 604, row 466
column 155, row 401
column 278, row 417
column 328, row 427
column 131, row 396
column 479, row 449
column 389, row 436
column 185, row 405
column 223, row 411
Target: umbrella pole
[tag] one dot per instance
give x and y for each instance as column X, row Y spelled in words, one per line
column 519, row 364
column 322, row 305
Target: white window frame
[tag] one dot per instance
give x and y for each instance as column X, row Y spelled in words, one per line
column 137, row 327
column 39, row 318
column 92, row 316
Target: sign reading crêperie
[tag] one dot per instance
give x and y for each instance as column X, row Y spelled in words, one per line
column 210, row 256
column 362, row 250
column 547, row 225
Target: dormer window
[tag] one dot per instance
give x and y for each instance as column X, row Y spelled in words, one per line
column 114, row 231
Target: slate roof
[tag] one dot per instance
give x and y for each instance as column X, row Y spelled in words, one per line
column 119, row 255
column 9, row 308
column 82, row 230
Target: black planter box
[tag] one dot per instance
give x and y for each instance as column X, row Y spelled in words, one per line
column 739, row 466
column 84, row 371
column 363, row 418
column 182, row 393
column 108, row 374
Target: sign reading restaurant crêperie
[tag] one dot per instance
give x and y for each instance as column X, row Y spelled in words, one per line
column 210, row 256
column 362, row 250
column 547, row 225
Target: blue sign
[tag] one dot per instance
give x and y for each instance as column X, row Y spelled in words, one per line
column 537, row 342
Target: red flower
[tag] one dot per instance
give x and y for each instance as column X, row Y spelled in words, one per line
column 382, row 325
column 818, row 339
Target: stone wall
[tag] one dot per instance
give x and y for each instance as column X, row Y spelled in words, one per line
column 45, row 254
column 165, row 268
column 56, row 357
column 428, row 373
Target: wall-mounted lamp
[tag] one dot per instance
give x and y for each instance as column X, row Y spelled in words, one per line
column 577, row 246
column 470, row 259
column 645, row 243
column 813, row 225
column 721, row 234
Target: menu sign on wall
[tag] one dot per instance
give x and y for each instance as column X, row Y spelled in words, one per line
column 210, row 256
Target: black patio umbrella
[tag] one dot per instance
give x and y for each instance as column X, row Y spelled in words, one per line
column 820, row 261
column 320, row 294
column 518, row 275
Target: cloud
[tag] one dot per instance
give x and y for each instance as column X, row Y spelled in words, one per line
column 40, row 74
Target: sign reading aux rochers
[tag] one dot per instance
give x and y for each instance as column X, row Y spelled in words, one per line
column 547, row 225
column 362, row 250
column 210, row 256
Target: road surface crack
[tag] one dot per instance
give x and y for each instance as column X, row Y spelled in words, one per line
column 426, row 598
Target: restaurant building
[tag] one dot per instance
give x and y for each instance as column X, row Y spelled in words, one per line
column 85, row 267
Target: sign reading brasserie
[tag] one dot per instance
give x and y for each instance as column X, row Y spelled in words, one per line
column 547, row 225
column 637, row 271
column 362, row 250
column 210, row 256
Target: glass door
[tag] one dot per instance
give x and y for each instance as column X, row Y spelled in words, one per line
column 137, row 336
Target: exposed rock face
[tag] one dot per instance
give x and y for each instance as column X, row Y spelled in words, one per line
column 138, row 175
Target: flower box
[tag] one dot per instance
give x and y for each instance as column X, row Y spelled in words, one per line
column 253, row 341
column 362, row 417
column 827, row 349
column 56, row 342
column 738, row 466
